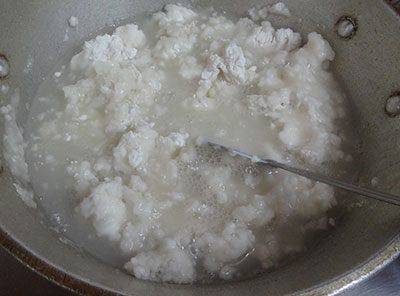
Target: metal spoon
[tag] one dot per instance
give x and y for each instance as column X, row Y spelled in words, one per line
column 386, row 197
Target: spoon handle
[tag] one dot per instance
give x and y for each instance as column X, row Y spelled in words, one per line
column 382, row 196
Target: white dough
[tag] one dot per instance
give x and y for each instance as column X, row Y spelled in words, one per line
column 261, row 13
column 73, row 21
column 141, row 103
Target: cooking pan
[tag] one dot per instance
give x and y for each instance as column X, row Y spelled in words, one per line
column 367, row 64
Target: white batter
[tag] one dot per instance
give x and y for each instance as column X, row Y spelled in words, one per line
column 128, row 132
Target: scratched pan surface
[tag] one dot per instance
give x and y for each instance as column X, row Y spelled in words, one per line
column 368, row 66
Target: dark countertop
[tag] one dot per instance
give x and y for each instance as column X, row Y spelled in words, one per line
column 18, row 280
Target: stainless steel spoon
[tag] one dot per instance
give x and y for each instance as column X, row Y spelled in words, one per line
column 382, row 196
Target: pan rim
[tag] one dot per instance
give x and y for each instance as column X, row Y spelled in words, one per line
column 63, row 279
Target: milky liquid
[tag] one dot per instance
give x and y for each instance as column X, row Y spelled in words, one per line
column 52, row 184
column 50, row 181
